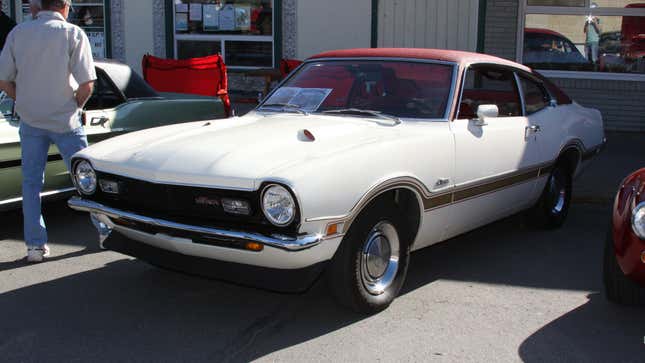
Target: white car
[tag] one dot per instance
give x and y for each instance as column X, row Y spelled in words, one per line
column 358, row 158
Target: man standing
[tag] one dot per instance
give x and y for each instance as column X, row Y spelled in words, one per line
column 41, row 64
column 6, row 24
column 592, row 38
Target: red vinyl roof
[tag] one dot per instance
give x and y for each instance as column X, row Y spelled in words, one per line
column 454, row 56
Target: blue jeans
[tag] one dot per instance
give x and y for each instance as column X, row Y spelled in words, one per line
column 591, row 49
column 35, row 144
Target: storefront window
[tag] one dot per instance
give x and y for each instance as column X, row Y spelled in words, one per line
column 600, row 36
column 89, row 15
column 240, row 30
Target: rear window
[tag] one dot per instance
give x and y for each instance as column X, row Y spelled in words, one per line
column 127, row 81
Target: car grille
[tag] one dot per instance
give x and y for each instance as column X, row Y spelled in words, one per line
column 180, row 204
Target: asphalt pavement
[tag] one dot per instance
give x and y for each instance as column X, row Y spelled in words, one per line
column 505, row 292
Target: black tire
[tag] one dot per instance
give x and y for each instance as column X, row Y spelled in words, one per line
column 552, row 208
column 346, row 273
column 618, row 287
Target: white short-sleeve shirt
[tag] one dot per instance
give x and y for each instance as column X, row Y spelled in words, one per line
column 47, row 58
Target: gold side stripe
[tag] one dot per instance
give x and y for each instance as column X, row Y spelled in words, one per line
column 465, row 193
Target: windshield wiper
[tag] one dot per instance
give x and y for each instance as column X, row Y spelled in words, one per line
column 359, row 111
column 286, row 107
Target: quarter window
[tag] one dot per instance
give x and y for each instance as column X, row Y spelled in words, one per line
column 489, row 86
column 535, row 97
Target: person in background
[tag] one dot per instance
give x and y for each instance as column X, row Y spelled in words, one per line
column 34, row 8
column 41, row 60
column 6, row 25
column 592, row 38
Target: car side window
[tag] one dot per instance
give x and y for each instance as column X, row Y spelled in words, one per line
column 105, row 94
column 535, row 96
column 489, row 86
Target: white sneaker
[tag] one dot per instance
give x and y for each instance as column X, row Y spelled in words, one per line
column 37, row 254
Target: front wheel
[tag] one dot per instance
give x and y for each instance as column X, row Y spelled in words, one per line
column 553, row 206
column 370, row 266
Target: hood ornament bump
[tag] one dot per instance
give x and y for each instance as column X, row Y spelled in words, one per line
column 306, row 135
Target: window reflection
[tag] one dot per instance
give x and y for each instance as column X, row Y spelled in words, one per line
column 585, row 43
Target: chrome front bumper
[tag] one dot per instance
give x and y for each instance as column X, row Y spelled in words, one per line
column 278, row 241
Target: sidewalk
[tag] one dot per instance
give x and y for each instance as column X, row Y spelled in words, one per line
column 624, row 153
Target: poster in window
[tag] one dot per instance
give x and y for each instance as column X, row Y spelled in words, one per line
column 195, row 12
column 211, row 17
column 243, row 17
column 97, row 42
column 181, row 22
column 227, row 18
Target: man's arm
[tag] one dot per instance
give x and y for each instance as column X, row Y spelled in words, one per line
column 83, row 93
column 9, row 88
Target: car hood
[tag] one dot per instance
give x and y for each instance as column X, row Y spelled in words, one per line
column 236, row 153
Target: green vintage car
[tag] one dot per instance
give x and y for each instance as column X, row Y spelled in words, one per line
column 122, row 102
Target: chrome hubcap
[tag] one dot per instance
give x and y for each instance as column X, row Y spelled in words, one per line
column 558, row 191
column 380, row 258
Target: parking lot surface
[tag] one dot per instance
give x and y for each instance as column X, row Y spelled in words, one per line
column 505, row 292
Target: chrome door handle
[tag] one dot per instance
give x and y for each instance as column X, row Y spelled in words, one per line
column 534, row 128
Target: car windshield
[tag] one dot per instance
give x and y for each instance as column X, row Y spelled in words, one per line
column 366, row 88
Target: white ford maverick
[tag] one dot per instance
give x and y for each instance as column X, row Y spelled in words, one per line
column 358, row 158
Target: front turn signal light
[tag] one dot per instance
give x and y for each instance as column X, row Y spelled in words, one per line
column 254, row 246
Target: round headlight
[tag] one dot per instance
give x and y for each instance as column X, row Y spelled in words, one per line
column 638, row 220
column 278, row 205
column 85, row 177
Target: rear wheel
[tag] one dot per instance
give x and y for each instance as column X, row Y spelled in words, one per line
column 553, row 206
column 370, row 266
column 618, row 287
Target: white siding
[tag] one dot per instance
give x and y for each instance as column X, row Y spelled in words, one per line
column 138, row 20
column 332, row 24
column 446, row 24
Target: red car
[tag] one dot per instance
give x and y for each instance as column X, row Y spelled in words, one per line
column 624, row 267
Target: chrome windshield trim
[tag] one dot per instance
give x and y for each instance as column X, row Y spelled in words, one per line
column 277, row 241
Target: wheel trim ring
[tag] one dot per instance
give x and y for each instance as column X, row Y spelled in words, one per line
column 375, row 281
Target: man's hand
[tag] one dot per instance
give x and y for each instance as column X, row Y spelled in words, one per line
column 83, row 93
column 9, row 88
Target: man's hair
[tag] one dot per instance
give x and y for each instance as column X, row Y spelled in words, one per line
column 36, row 3
column 54, row 4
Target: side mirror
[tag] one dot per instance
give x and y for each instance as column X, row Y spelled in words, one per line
column 484, row 111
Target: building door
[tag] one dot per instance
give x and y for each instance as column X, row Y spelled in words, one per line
column 445, row 24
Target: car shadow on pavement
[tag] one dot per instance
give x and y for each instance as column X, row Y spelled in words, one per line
column 131, row 309
column 598, row 331
column 514, row 252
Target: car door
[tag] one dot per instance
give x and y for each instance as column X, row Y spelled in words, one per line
column 496, row 157
column 545, row 117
